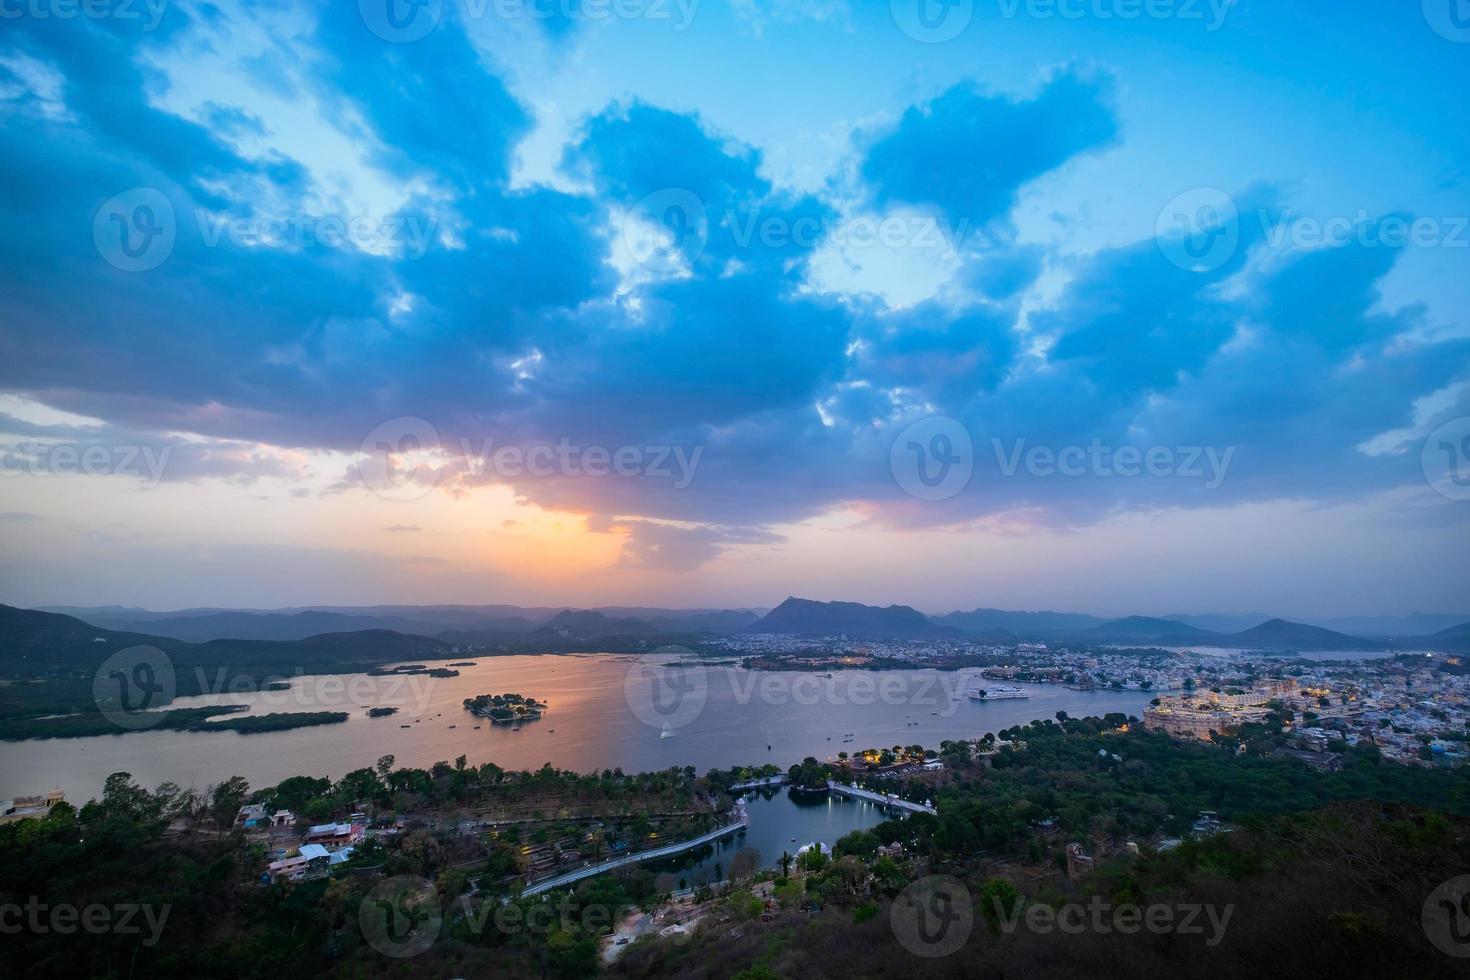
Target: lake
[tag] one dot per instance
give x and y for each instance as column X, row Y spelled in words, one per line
column 606, row 711
column 780, row 821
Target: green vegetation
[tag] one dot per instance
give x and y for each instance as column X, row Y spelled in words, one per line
column 809, row 775
column 410, row 669
column 274, row 722
column 1326, row 872
column 84, row 724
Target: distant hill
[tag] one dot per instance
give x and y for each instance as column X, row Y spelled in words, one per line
column 360, row 646
column 31, row 640
column 715, row 621
column 988, row 622
column 456, row 624
column 275, row 626
column 597, row 624
column 588, row 624
column 1220, row 622
column 490, row 630
column 1281, row 634
column 1412, row 625
column 809, row 617
column 1456, row 639
column 1136, row 629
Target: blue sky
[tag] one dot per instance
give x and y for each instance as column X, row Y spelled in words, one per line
column 359, row 302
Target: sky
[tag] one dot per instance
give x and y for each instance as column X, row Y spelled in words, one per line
column 1118, row 306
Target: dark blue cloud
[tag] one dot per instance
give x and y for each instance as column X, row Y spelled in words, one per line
column 431, row 105
column 969, row 152
column 1134, row 320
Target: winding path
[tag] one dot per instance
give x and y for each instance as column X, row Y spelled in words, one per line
column 658, row 852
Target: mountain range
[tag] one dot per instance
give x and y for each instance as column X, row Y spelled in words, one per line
column 386, row 632
column 456, row 624
column 32, row 640
column 809, row 617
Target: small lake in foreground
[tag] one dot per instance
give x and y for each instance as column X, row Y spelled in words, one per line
column 780, row 821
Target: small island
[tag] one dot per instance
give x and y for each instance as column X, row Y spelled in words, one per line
column 276, row 722
column 88, row 724
column 505, row 709
column 381, row 712
column 408, row 669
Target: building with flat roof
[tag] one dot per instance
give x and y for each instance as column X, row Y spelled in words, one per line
column 26, row 807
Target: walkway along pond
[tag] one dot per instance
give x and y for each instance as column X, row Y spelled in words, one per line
column 668, row 850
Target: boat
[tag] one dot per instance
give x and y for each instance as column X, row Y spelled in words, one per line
column 997, row 692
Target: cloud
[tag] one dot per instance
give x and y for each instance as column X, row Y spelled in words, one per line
column 969, row 152
column 669, row 547
column 524, row 317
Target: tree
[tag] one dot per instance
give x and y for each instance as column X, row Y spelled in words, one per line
column 998, row 901
column 124, row 799
column 744, row 864
column 295, row 792
column 226, row 799
column 789, row 893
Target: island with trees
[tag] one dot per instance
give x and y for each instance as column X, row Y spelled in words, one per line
column 505, row 709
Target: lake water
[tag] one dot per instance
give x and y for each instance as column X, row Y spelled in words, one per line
column 606, row 711
column 780, row 821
